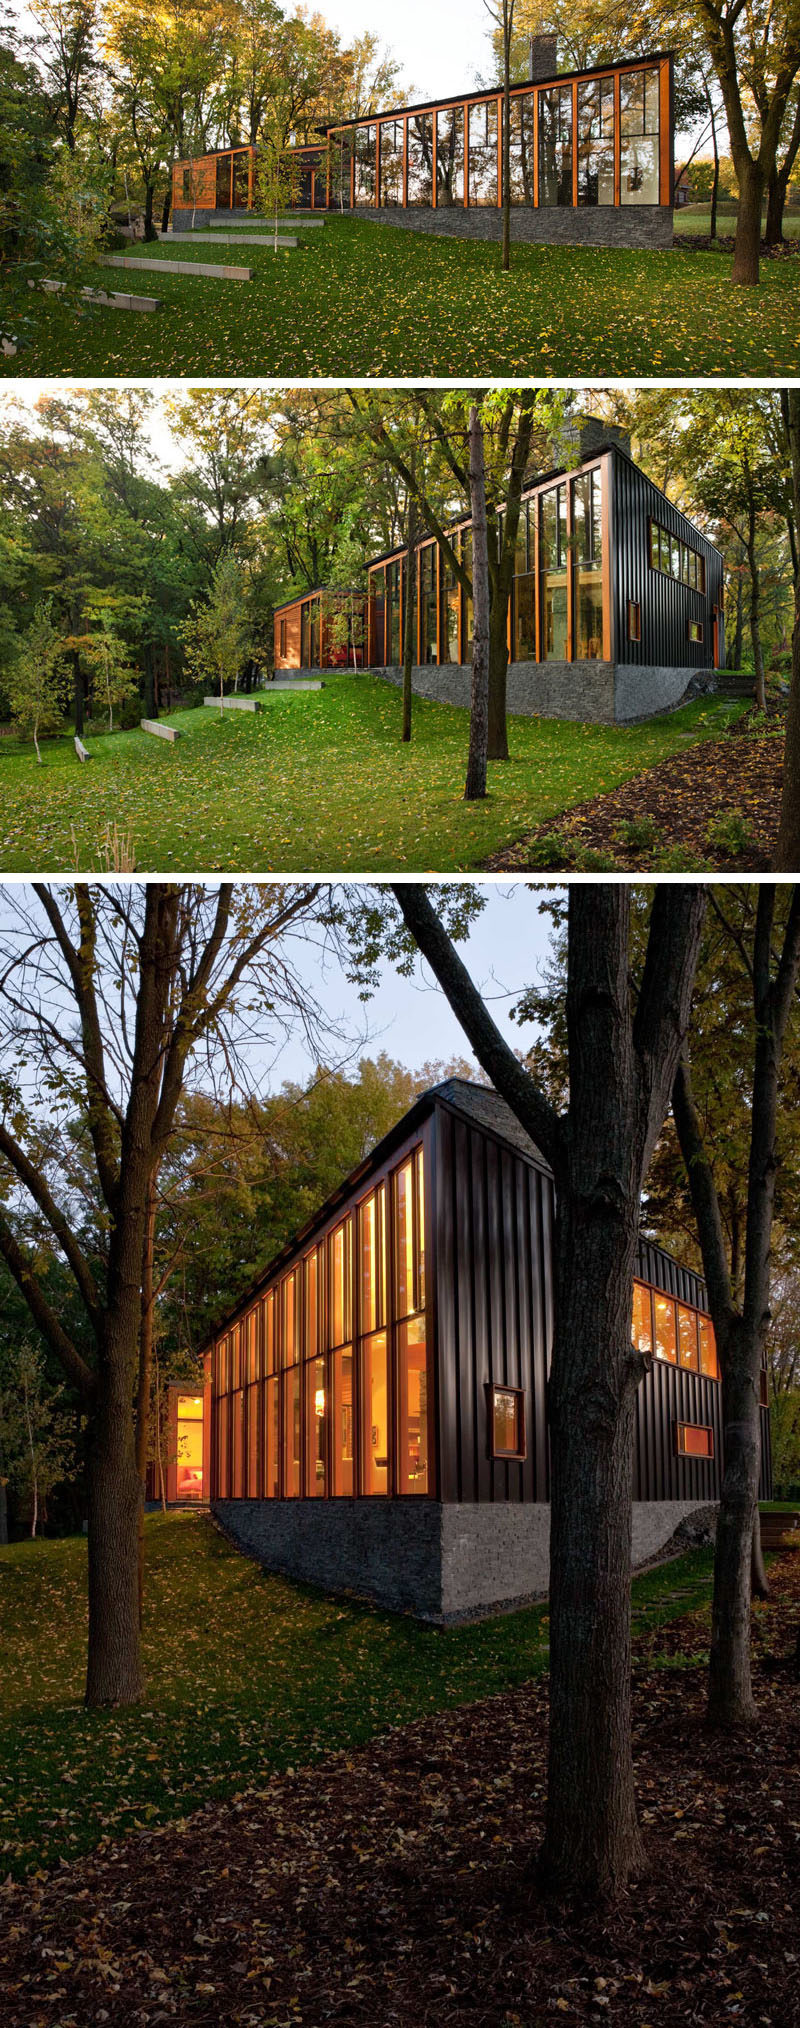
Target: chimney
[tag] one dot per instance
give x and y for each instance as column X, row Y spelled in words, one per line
column 593, row 434
column 543, row 58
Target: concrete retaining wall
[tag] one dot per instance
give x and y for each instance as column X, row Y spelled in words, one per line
column 631, row 225
column 603, row 693
column 437, row 1562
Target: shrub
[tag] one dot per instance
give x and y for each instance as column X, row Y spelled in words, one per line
column 731, row 832
column 637, row 834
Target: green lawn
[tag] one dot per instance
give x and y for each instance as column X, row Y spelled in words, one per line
column 317, row 781
column 367, row 299
column 246, row 1674
column 696, row 218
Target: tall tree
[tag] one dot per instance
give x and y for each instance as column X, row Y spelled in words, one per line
column 622, row 1063
column 114, row 989
column 479, row 708
column 787, row 849
column 741, row 1328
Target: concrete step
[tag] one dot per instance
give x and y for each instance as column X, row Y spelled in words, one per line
column 203, row 268
column 230, row 239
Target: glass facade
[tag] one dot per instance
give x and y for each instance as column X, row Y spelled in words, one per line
column 553, row 574
column 189, row 1472
column 483, row 168
column 521, row 148
column 587, row 576
column 392, row 144
column 596, row 142
column 450, row 157
column 555, row 145
column 600, row 142
column 639, row 137
column 428, row 603
column 322, row 1389
column 419, row 141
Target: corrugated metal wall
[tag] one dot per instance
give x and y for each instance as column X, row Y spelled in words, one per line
column 666, row 606
column 493, row 1217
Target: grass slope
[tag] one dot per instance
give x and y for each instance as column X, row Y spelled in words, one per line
column 367, row 299
column 318, row 780
column 246, row 1674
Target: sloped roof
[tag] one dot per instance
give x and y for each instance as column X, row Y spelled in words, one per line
column 485, row 1108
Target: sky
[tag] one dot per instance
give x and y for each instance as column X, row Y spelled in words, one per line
column 410, row 1018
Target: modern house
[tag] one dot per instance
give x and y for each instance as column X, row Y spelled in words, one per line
column 379, row 1396
column 180, row 1472
column 591, row 154
column 616, row 604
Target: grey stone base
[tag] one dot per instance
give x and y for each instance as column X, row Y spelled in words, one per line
column 604, row 693
column 631, row 225
column 437, row 1562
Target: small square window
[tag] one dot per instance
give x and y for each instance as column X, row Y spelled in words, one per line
column 634, row 620
column 694, row 1440
column 507, row 1422
column 695, row 630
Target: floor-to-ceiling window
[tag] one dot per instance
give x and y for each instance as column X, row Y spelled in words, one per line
column 420, row 158
column 639, row 136
column 189, row 1468
column 521, row 148
column 394, row 593
column 553, row 573
column 428, row 604
column 596, row 142
column 364, row 173
column 392, row 161
column 449, row 646
column 555, row 145
column 335, row 1362
column 483, row 152
column 450, row 157
column 587, row 526
column 524, row 638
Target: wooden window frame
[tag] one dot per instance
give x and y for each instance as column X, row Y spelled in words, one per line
column 695, row 1457
column 696, row 633
column 634, row 620
column 518, row 1456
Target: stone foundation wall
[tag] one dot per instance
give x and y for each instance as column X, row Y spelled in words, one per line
column 632, row 225
column 438, row 1562
column 604, row 693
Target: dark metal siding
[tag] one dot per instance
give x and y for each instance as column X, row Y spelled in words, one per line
column 494, row 1307
column 666, row 606
column 492, row 1214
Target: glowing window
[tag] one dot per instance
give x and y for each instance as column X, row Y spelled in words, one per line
column 507, row 1423
column 709, row 1364
column 694, row 1440
column 687, row 1338
column 412, row 1407
column 642, row 1331
column 316, row 1423
column 189, row 1477
column 666, row 1329
column 342, row 1419
column 376, row 1414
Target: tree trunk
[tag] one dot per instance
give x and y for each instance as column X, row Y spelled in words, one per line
column 592, row 1841
column 730, row 1698
column 755, row 628
column 145, row 1374
column 114, row 1672
column 759, row 1581
column 165, row 208
column 149, row 195
column 715, row 178
column 79, row 693
column 498, row 680
column 508, row 16
column 748, row 224
column 3, row 1511
column 479, row 713
column 408, row 619
column 739, row 634
column 787, row 845
column 776, row 199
